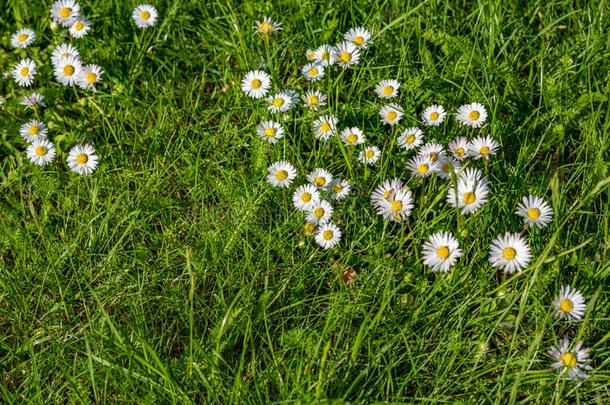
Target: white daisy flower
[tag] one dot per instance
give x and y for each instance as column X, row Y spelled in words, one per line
column 320, row 177
column 391, row 114
column 432, row 150
column 572, row 361
column 358, row 36
column 345, row 54
column 63, row 50
column 569, row 304
column 328, row 235
column 270, row 131
column 410, row 138
column 321, row 211
column 338, row 189
column 280, row 102
column 80, row 27
column 32, row 100
column 369, row 155
column 387, row 88
column 305, row 197
column 422, row 166
column 459, row 148
column 473, row 115
column 448, row 166
column 82, row 159
column 434, row 115
column 352, row 136
column 482, row 147
column 386, row 190
column 68, row 70
column 324, row 127
column 314, row 99
column 267, row 26
column 470, row 196
column 310, row 54
column 441, row 251
column 33, row 131
column 323, row 55
column 509, row 252
column 144, row 16
column 397, row 206
column 64, row 11
column 89, row 75
column 313, row 71
column 24, row 72
column 256, row 83
column 281, row 174
column 41, row 152
column 535, row 211
column 23, row 38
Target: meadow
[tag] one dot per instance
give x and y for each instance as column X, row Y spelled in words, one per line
column 174, row 272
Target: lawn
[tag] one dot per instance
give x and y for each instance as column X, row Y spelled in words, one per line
column 175, row 273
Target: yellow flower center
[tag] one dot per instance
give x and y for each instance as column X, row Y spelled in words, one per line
column 324, row 127
column 90, row 77
column 474, row 115
column 324, row 55
column 410, row 138
column 313, row 72
column 145, row 15
column 313, row 99
column 22, row 37
column 434, row 116
column 34, row 129
column 79, row 26
column 484, row 150
column 306, row 197
column 396, row 205
column 566, row 305
column 24, row 71
column 392, row 115
column 320, row 181
column 422, row 168
column 388, row 90
column 41, row 151
column 369, row 153
column 281, row 175
column 311, row 55
column 82, row 158
column 533, row 213
column 328, row 235
column 569, row 360
column 337, row 188
column 433, row 156
column 278, row 102
column 443, row 252
column 345, row 57
column 308, row 228
column 460, row 152
column 68, row 70
column 255, row 83
column 318, row 212
column 509, row 253
column 65, row 12
column 469, row 197
column 387, row 194
column 265, row 27
column 351, row 138
column 448, row 167
column 270, row 132
column 358, row 40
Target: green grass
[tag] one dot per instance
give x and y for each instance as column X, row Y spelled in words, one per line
column 176, row 274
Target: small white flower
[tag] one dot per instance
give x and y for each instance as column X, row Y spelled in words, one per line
column 386, row 190
column 482, row 147
column 314, row 99
column 256, row 83
column 64, row 11
column 282, row 101
column 358, row 36
column 323, row 55
column 459, row 148
column 422, row 166
column 432, row 150
column 63, row 50
column 313, row 71
column 33, row 131
column 23, row 38
column 82, row 159
column 410, row 138
column 89, row 76
column 535, row 211
column 345, row 54
column 33, row 100
column 68, row 70
column 569, row 304
column 320, row 211
column 387, row 88
column 80, row 27
column 434, row 115
column 338, row 189
column 352, row 136
column 320, row 178
column 24, row 72
column 41, row 152
column 328, row 235
column 391, row 114
column 471, row 195
column 310, row 54
column 267, row 26
column 369, row 155
column 396, row 206
column 448, row 166
column 509, row 252
column 324, row 127
column 473, row 115
column 144, row 16
column 270, row 131
column 441, row 251
column 281, row 174
column 571, row 361
column 305, row 197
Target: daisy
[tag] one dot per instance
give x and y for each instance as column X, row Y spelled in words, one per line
column 434, row 115
column 433, row 151
column 63, row 50
column 80, row 27
column 441, row 251
column 33, row 100
column 280, row 102
column 385, row 190
column 320, row 177
column 314, row 99
column 319, row 212
column 144, row 16
column 358, row 36
column 68, row 70
column 309, row 229
column 33, row 131
column 24, row 72
column 473, row 115
column 89, row 75
column 391, row 114
column 323, row 55
column 270, row 131
column 571, row 360
column 256, row 83
column 470, row 196
column 41, row 152
column 369, row 156
column 64, row 11
column 324, row 127
column 328, row 235
column 396, row 206
column 410, row 138
column 310, row 54
column 345, row 54
column 352, row 136
column 305, row 197
column 422, row 166
column 23, row 38
column 267, row 26
column 338, row 189
column 569, row 304
column 509, row 252
column 448, row 166
column 387, row 88
column 459, row 148
column 82, row 159
column 535, row 211
column 482, row 147
column 313, row 71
